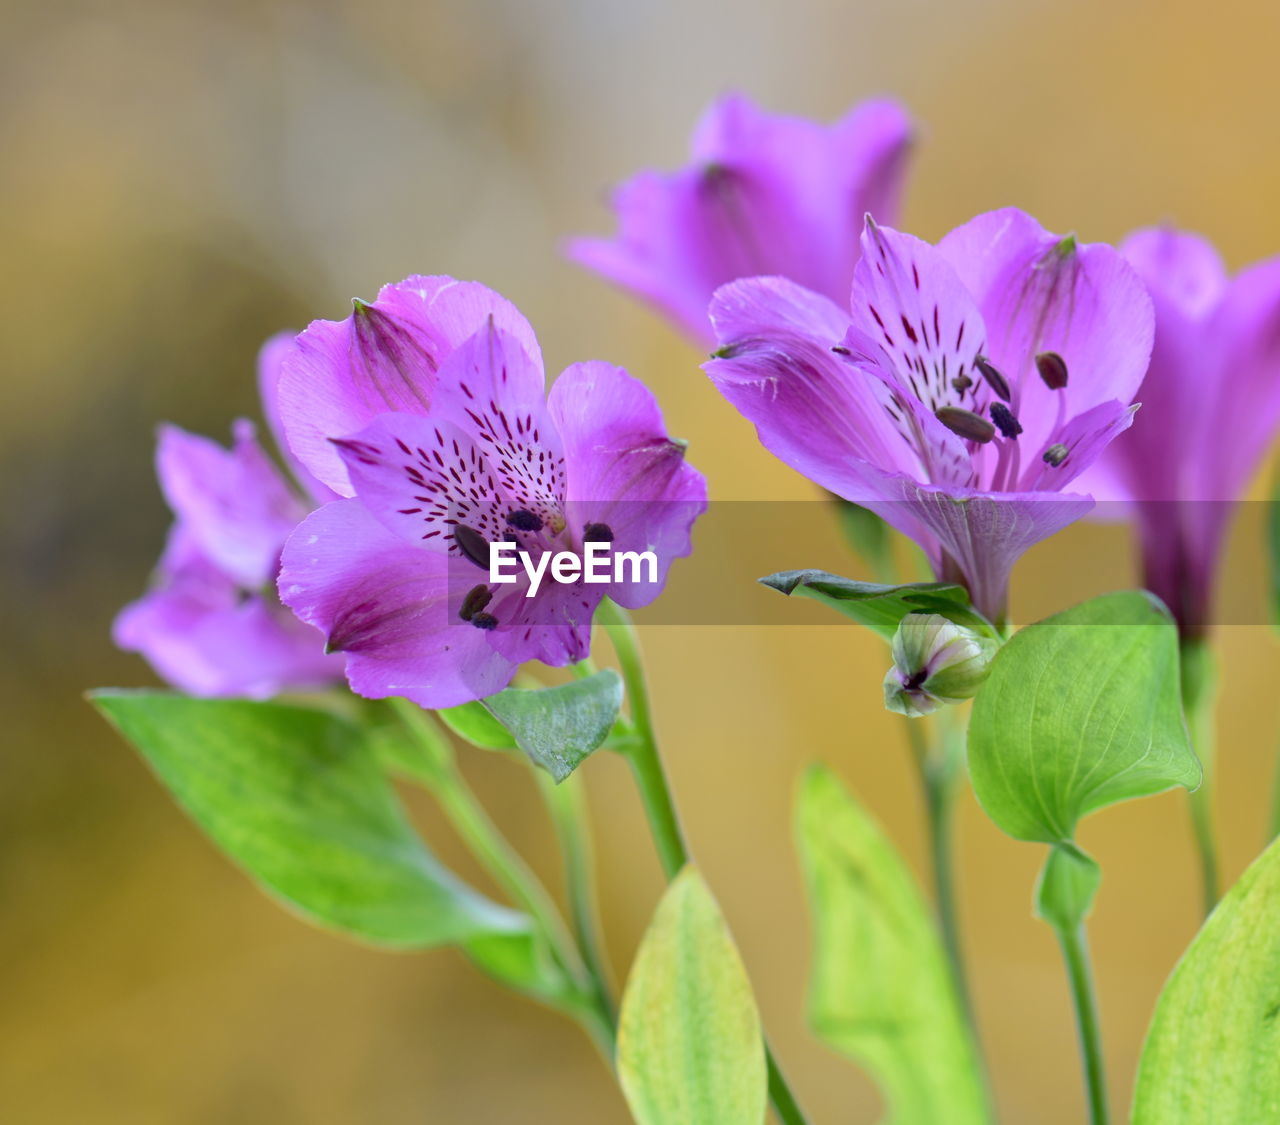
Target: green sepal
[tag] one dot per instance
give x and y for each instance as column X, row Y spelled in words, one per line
column 560, row 727
column 474, row 723
column 1067, row 885
column 881, row 608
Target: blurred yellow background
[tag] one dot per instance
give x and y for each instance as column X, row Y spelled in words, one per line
column 180, row 180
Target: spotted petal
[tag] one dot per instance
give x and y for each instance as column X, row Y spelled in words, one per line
column 421, row 479
column 911, row 302
column 389, row 608
column 386, row 356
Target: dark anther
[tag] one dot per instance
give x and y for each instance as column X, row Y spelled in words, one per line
column 966, row 423
column 472, row 544
column 1053, row 370
column 597, row 533
column 477, row 598
column 485, row 621
column 524, row 520
column 995, row 380
column 1055, row 454
column 510, row 537
column 1005, row 422
column 840, row 349
column 961, row 383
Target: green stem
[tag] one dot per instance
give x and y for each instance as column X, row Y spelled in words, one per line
column 937, row 780
column 1075, row 953
column 568, row 808
column 1197, row 702
column 472, row 823
column 655, row 794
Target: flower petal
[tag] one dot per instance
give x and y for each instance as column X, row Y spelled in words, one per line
column 624, row 472
column 1042, row 293
column 487, row 451
column 910, row 301
column 554, row 626
column 1176, row 266
column 813, row 410
column 979, row 536
column 389, row 608
column 384, row 357
column 270, row 358
column 234, row 503
column 421, row 479
column 199, row 635
column 765, row 194
column 1242, row 412
column 1084, row 439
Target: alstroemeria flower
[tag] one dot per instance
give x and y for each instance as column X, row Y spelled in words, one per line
column 763, row 194
column 965, row 387
column 1211, row 410
column 427, row 409
column 212, row 625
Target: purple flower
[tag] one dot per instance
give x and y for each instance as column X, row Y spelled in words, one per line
column 1211, row 409
column 968, row 384
column 212, row 625
column 764, row 194
column 427, row 410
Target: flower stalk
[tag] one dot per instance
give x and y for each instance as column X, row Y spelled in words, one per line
column 463, row 809
column 1075, row 954
column 938, row 769
column 1064, row 897
column 655, row 794
column 1198, row 696
column 568, row 807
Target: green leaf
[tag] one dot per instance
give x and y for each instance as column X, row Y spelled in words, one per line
column 1078, row 712
column 524, row 962
column 473, row 723
column 1068, row 883
column 1213, row 1050
column 881, row 991
column 881, row 607
column 298, row 798
column 690, row 1050
column 559, row 727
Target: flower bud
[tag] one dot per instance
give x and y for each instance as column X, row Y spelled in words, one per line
column 935, row 661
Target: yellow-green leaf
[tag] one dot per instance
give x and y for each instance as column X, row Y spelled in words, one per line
column 690, row 1050
column 1213, row 1051
column 880, row 989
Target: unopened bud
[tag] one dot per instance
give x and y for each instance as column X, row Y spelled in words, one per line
column 935, row 661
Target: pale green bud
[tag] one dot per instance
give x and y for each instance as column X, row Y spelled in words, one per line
column 935, row 661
